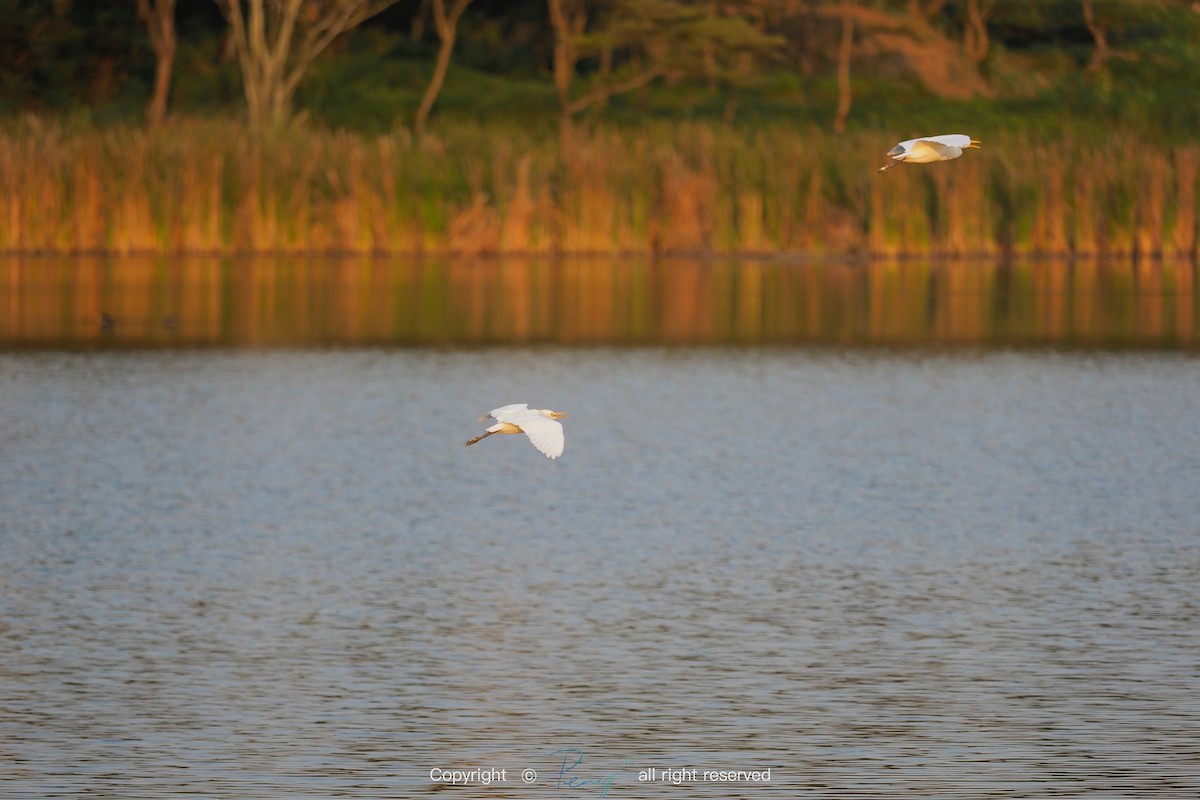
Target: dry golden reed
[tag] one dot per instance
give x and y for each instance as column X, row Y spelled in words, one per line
column 201, row 186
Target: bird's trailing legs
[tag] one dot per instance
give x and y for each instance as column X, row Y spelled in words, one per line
column 481, row 436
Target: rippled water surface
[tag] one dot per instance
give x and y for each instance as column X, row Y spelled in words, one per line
column 280, row 574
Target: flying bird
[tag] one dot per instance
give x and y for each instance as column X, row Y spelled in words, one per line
column 541, row 425
column 929, row 148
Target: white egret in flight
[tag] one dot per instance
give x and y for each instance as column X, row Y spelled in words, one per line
column 929, row 148
column 539, row 424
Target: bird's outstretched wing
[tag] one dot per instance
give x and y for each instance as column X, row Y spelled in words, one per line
column 503, row 413
column 545, row 433
column 943, row 150
column 960, row 140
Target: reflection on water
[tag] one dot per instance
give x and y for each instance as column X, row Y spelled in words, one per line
column 139, row 302
column 279, row 574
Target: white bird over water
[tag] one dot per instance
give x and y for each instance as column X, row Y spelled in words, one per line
column 929, row 148
column 540, row 424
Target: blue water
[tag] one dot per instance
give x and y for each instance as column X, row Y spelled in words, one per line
column 876, row 574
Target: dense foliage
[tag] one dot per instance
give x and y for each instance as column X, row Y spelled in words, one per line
column 940, row 63
column 604, row 126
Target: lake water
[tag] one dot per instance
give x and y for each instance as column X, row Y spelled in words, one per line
column 876, row 572
column 271, row 302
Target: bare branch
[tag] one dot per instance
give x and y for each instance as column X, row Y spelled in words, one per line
column 159, row 18
column 845, row 51
column 1099, row 36
column 602, row 93
column 277, row 41
column 447, row 28
column 975, row 33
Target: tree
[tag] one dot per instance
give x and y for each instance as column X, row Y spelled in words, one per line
column 922, row 11
column 159, row 18
column 447, row 30
column 845, row 51
column 1099, row 36
column 276, row 42
column 975, row 32
column 568, row 18
column 940, row 62
column 636, row 42
column 1120, row 19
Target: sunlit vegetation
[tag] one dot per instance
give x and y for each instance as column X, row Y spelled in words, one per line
column 667, row 127
column 670, row 187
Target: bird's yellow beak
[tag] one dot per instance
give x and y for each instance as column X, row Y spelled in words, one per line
column 557, row 414
column 975, row 144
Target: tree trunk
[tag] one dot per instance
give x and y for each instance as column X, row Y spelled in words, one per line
column 845, row 51
column 568, row 18
column 921, row 12
column 975, row 34
column 1099, row 36
column 276, row 42
column 157, row 110
column 159, row 18
column 447, row 28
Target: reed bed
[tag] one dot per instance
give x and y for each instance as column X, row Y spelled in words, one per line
column 200, row 186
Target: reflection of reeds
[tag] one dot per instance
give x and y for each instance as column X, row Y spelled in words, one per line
column 208, row 187
column 356, row 301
